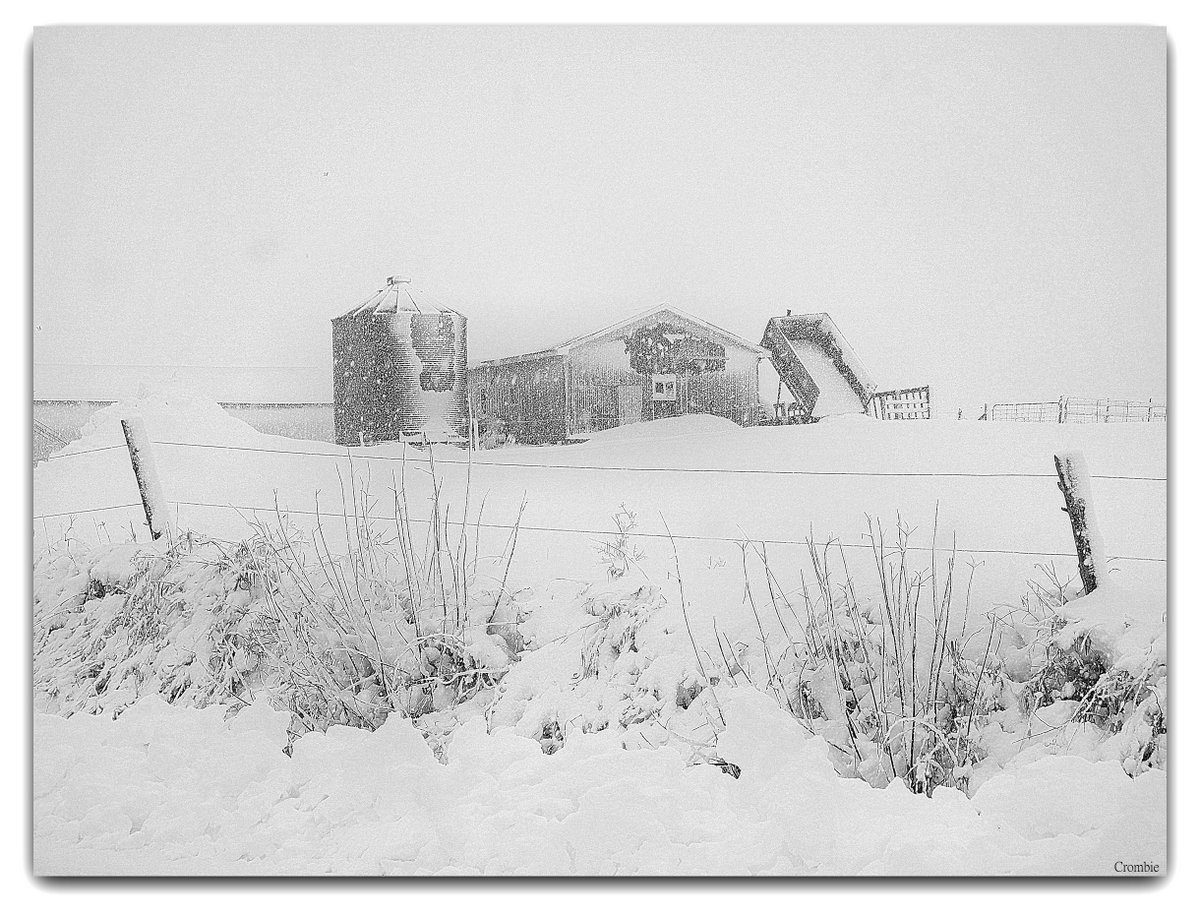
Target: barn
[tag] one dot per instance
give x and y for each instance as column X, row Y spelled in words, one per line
column 399, row 368
column 661, row 363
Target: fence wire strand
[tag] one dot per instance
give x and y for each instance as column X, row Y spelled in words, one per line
column 661, row 469
column 616, row 468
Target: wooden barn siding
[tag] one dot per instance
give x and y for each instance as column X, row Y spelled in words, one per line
column 598, row 368
column 529, row 397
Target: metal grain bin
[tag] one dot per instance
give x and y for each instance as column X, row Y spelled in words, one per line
column 400, row 368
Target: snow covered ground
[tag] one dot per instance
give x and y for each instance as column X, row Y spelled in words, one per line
column 649, row 712
column 176, row 790
column 713, row 483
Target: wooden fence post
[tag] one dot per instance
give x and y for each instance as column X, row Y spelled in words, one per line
column 158, row 516
column 1076, row 486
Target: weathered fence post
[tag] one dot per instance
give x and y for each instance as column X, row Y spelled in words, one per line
column 154, row 502
column 1076, row 485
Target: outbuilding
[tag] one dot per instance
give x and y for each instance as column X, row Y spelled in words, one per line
column 661, row 363
column 399, row 368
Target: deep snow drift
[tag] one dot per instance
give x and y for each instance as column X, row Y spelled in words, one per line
column 607, row 699
column 176, row 790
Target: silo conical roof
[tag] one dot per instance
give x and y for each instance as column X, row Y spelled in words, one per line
column 399, row 295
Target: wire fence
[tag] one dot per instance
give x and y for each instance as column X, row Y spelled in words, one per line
column 637, row 469
column 1078, row 410
column 347, row 454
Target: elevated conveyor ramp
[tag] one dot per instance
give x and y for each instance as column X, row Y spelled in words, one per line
column 817, row 365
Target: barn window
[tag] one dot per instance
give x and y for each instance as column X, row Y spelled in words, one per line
column 665, row 387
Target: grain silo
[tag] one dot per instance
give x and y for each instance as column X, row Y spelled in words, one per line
column 399, row 369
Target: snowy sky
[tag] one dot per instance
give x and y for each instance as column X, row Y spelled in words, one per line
column 981, row 209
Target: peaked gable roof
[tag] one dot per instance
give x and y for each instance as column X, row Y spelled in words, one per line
column 668, row 309
column 661, row 308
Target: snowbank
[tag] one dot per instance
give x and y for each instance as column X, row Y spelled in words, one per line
column 167, row 789
column 170, row 414
column 687, row 425
column 1131, row 630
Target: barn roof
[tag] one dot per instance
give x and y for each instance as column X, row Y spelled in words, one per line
column 566, row 345
column 661, row 307
column 398, row 295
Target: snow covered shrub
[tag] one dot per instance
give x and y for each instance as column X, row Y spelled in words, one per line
column 1103, row 657
column 1048, row 670
column 391, row 623
column 620, row 553
column 628, row 671
column 885, row 677
column 1067, row 674
column 619, row 616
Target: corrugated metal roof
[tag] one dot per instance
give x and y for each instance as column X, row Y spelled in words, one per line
column 398, row 295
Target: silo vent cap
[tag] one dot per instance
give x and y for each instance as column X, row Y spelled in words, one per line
column 396, row 278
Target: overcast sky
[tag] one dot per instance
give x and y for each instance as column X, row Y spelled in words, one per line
column 980, row 209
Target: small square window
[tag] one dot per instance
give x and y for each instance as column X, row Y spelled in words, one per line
column 664, row 387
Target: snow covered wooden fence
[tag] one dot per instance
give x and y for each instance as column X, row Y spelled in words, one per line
column 901, row 404
column 1077, row 410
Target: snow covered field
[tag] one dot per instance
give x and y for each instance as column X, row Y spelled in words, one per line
column 649, row 712
column 993, row 486
column 174, row 790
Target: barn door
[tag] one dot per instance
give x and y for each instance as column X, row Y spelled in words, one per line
column 629, row 404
